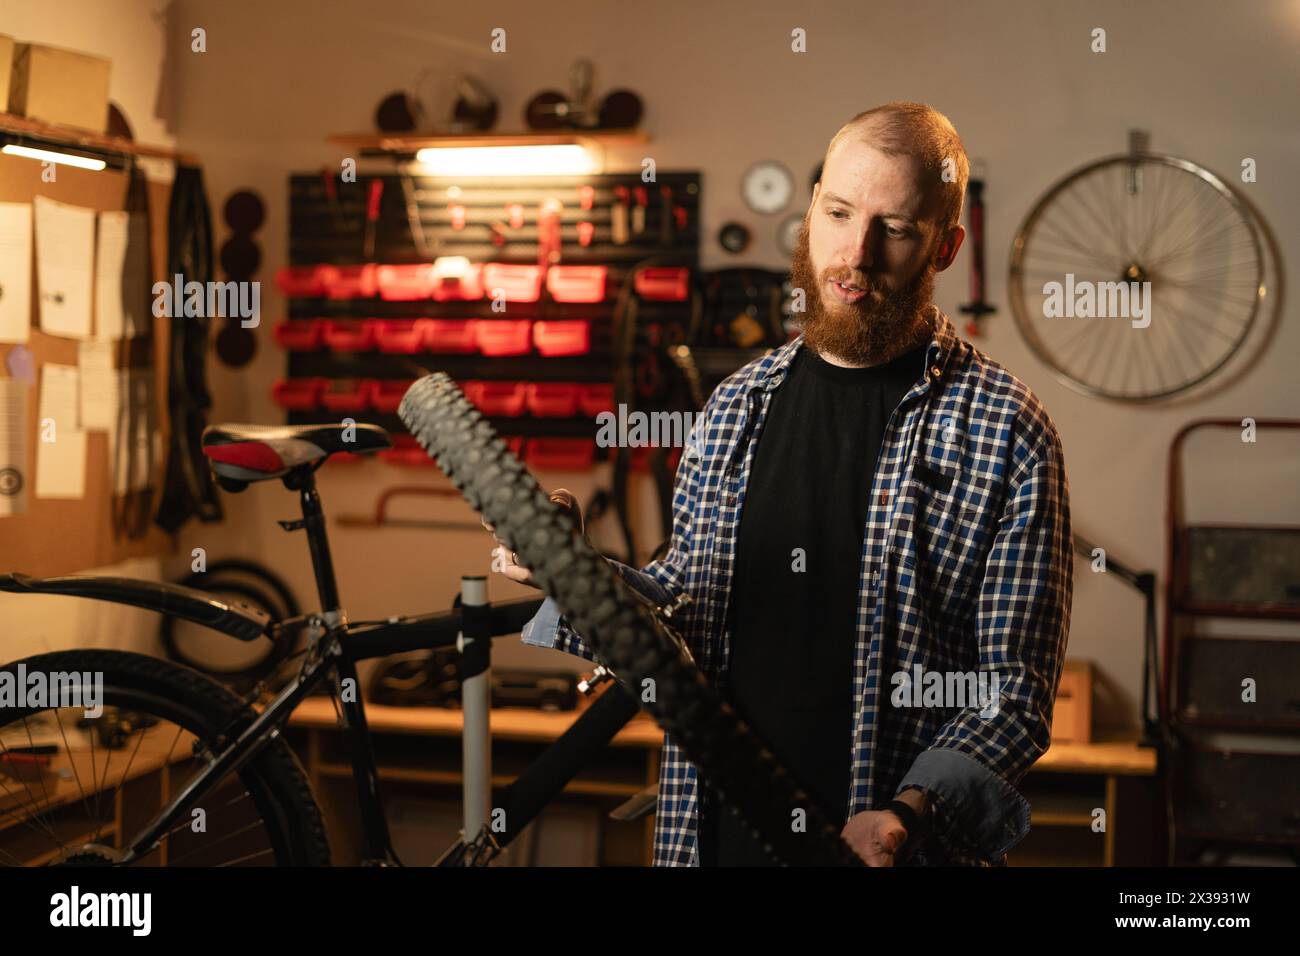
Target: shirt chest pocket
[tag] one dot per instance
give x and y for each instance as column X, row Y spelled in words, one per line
column 954, row 516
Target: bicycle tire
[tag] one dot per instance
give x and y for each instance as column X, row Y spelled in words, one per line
column 622, row 630
column 274, row 778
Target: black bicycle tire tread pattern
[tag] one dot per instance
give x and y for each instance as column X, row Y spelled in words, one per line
column 620, row 629
column 277, row 766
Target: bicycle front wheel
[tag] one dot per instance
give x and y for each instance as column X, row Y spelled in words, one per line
column 77, row 786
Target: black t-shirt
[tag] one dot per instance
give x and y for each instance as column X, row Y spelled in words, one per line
column 795, row 589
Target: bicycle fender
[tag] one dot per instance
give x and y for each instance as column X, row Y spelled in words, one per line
column 230, row 617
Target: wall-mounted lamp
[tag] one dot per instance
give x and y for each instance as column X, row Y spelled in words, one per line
column 53, row 156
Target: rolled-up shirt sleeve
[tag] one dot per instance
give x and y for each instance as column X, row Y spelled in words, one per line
column 548, row 628
column 1022, row 624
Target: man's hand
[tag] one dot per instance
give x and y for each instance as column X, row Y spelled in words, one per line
column 875, row 835
column 505, row 559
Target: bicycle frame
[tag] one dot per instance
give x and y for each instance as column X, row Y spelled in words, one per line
column 335, row 648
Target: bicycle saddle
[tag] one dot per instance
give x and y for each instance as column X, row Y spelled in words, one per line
column 256, row 452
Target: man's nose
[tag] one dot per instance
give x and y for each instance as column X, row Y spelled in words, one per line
column 859, row 250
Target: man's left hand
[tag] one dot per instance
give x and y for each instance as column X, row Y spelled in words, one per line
column 875, row 835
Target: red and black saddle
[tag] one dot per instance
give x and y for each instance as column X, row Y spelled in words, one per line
column 244, row 453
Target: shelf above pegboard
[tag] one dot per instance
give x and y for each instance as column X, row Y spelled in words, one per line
column 397, row 143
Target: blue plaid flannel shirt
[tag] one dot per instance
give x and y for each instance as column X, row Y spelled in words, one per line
column 966, row 566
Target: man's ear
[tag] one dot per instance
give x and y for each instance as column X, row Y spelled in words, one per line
column 948, row 248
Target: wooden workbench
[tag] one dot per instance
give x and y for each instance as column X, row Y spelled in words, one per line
column 1065, row 787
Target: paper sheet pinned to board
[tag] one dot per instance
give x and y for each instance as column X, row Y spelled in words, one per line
column 98, row 404
column 122, row 267
column 65, row 257
column 15, row 272
column 110, row 261
column 60, row 444
column 14, row 473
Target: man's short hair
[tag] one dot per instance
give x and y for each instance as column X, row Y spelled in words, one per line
column 915, row 129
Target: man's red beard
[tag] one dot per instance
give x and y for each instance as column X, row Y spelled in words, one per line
column 876, row 328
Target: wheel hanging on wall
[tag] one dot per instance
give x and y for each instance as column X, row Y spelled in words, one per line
column 1137, row 218
column 239, row 666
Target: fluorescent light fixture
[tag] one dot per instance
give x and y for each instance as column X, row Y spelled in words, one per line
column 558, row 159
column 50, row 156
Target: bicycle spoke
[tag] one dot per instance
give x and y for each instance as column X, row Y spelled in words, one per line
column 207, row 846
column 126, row 775
column 185, row 824
column 250, row 856
column 28, row 790
column 1057, row 234
column 29, row 820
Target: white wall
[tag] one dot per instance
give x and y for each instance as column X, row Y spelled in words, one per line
column 1213, row 82
column 126, row 32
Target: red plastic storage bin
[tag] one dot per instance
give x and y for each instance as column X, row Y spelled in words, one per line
column 517, row 283
column 300, row 282
column 386, row 393
column 405, row 283
column 300, row 335
column 663, row 283
column 400, row 336
column 597, row 398
column 461, row 287
column 298, row 394
column 561, row 454
column 349, row 335
column 505, row 336
column 553, row 399
column 498, row 399
column 451, row 335
column 347, row 394
column 349, row 282
column 576, row 283
column 568, row 337
column 406, row 451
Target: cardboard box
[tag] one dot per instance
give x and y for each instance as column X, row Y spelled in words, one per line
column 6, row 67
column 1072, row 715
column 60, row 86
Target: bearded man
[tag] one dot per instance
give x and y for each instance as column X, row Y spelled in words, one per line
column 874, row 504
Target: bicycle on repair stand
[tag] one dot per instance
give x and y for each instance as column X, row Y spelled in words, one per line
column 66, row 781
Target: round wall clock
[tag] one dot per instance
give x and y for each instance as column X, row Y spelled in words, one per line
column 787, row 234
column 767, row 187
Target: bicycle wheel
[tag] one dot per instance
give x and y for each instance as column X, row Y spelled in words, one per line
column 76, row 792
column 1119, row 225
column 623, row 631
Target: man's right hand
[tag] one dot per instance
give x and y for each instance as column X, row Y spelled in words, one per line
column 504, row 559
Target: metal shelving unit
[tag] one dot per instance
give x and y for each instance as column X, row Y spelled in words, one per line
column 1220, row 794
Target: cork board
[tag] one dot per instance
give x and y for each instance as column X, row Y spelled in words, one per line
column 55, row 536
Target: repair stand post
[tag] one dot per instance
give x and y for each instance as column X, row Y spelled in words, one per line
column 475, row 646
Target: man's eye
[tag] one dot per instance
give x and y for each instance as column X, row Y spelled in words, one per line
column 839, row 214
column 895, row 233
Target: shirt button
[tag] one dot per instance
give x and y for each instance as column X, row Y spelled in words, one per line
column 730, row 499
column 884, row 497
